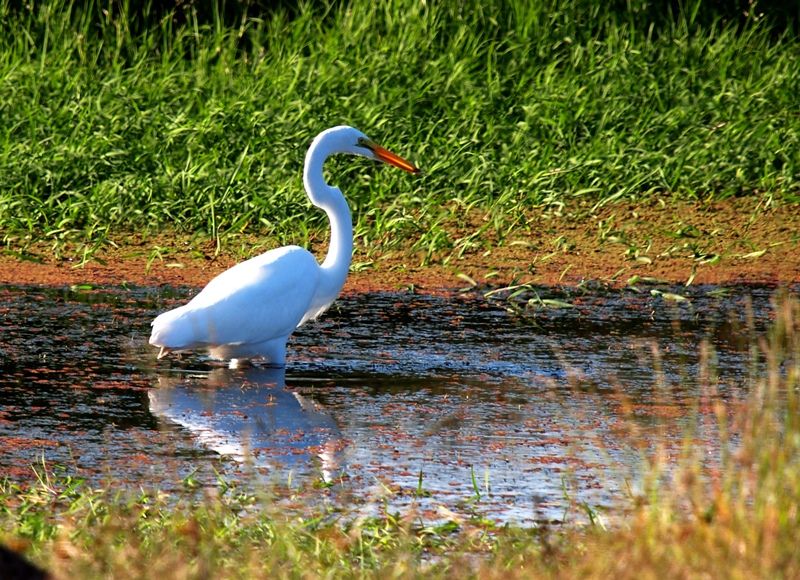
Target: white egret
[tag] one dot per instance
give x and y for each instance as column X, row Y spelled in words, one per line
column 249, row 311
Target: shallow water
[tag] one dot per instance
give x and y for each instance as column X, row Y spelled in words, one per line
column 514, row 417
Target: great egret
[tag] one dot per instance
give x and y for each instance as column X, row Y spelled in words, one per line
column 249, row 311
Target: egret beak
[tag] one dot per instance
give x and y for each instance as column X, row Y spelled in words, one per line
column 387, row 156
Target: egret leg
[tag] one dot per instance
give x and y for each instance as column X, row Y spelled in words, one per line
column 240, row 363
column 273, row 353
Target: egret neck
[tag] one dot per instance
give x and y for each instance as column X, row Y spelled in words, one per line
column 330, row 199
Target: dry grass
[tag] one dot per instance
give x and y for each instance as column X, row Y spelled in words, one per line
column 727, row 506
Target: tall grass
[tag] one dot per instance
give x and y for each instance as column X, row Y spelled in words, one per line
column 724, row 503
column 112, row 123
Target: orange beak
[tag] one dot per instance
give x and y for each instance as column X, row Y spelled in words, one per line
column 388, row 157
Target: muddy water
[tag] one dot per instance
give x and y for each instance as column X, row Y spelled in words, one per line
column 513, row 416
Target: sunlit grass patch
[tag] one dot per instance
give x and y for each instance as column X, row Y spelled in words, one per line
column 200, row 126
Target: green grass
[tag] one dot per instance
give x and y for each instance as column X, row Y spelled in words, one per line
column 507, row 106
column 723, row 503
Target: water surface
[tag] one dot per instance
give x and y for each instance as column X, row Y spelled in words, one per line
column 515, row 417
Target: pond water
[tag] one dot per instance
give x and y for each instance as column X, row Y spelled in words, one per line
column 515, row 417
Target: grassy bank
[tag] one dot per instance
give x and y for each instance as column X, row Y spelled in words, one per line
column 724, row 503
column 197, row 124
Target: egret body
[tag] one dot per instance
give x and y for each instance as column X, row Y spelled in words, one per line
column 249, row 311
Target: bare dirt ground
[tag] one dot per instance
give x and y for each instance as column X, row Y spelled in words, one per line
column 736, row 241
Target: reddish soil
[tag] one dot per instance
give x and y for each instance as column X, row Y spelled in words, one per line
column 736, row 241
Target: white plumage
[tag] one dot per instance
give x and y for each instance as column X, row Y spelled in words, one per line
column 249, row 311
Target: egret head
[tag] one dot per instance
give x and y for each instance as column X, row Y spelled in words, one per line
column 345, row 139
column 342, row 139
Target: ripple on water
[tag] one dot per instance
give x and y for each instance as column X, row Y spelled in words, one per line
column 383, row 388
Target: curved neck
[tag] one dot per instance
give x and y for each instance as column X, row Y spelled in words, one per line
column 330, row 199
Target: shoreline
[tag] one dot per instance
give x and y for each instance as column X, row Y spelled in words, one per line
column 737, row 241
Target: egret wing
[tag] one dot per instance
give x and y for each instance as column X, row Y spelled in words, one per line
column 263, row 298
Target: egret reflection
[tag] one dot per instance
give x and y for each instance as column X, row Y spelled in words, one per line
column 249, row 414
